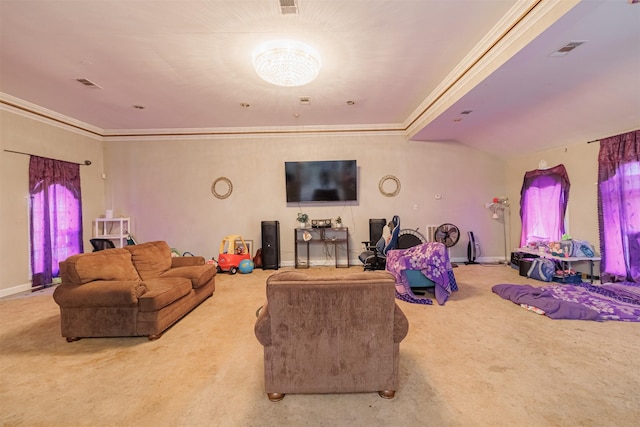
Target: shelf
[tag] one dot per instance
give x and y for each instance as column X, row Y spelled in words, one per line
column 115, row 229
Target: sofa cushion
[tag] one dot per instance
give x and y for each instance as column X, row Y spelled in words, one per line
column 163, row 291
column 184, row 261
column 151, row 259
column 198, row 274
column 100, row 293
column 110, row 264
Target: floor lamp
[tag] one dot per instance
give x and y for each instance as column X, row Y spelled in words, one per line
column 501, row 204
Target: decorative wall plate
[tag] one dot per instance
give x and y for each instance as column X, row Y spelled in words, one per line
column 389, row 193
column 224, row 180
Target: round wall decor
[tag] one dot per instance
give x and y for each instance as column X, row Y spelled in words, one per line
column 392, row 193
column 225, row 181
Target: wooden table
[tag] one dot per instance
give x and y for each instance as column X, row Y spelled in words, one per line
column 332, row 236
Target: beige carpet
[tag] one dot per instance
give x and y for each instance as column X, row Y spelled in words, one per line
column 477, row 361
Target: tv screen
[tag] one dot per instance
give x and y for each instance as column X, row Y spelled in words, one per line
column 321, row 181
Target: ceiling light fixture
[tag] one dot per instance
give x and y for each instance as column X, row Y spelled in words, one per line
column 286, row 63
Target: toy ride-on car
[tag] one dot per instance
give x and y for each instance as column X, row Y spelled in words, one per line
column 233, row 250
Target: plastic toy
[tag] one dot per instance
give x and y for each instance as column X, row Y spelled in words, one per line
column 233, row 250
column 246, row 266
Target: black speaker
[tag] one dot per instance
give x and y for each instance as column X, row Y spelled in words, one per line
column 270, row 245
column 375, row 229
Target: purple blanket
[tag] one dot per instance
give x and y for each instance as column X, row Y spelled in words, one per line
column 432, row 259
column 578, row 301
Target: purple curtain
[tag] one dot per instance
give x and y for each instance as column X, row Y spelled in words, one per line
column 619, row 207
column 56, row 216
column 543, row 204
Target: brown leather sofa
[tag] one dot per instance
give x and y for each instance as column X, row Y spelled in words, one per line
column 138, row 290
column 337, row 334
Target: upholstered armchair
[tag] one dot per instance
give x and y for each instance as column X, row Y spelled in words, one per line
column 337, row 334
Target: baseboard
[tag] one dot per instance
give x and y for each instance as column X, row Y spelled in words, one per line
column 457, row 260
column 15, row 290
column 319, row 263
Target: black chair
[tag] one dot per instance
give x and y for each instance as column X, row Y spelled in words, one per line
column 374, row 257
column 101, row 244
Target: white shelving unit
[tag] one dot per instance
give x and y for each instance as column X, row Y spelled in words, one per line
column 114, row 229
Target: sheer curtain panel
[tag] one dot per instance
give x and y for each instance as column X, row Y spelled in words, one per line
column 55, row 216
column 543, row 204
column 619, row 207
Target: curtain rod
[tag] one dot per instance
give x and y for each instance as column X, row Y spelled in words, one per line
column 612, row 136
column 85, row 163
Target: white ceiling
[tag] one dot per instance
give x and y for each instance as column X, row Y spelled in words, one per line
column 411, row 66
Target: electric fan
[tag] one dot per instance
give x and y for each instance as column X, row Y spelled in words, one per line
column 472, row 249
column 447, row 234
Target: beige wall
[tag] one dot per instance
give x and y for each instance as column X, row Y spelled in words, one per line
column 165, row 187
column 581, row 162
column 23, row 134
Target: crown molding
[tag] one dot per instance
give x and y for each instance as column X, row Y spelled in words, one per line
column 523, row 23
column 226, row 133
column 35, row 112
column 50, row 117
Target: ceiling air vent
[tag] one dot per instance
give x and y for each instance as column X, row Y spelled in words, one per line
column 567, row 48
column 88, row 83
column 289, row 7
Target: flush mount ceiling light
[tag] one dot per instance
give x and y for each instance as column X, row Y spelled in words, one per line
column 286, row 63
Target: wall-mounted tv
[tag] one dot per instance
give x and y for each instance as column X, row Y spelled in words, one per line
column 321, row 181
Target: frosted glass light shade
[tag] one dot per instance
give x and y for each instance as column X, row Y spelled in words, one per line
column 286, row 63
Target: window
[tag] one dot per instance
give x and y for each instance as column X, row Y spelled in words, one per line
column 55, row 216
column 619, row 207
column 63, row 210
column 621, row 213
column 543, row 204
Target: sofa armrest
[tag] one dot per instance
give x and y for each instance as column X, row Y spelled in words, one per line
column 186, row 261
column 100, row 293
column 262, row 327
column 400, row 325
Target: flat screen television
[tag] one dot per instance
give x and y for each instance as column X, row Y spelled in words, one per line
column 321, row 181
